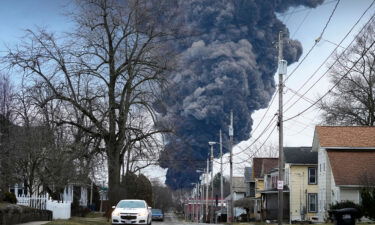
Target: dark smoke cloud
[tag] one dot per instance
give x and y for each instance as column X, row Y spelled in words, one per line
column 228, row 64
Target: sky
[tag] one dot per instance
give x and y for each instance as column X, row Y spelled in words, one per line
column 304, row 25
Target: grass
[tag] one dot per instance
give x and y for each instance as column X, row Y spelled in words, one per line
column 95, row 214
column 81, row 221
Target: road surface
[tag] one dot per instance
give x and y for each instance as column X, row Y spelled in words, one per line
column 171, row 218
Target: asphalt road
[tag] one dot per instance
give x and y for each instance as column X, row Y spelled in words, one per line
column 171, row 218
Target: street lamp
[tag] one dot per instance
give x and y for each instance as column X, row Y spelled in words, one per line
column 199, row 208
column 220, row 143
column 194, row 196
column 212, row 143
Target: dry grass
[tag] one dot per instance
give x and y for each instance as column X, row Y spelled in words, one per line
column 81, row 221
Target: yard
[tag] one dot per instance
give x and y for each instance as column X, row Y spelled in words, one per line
column 81, row 221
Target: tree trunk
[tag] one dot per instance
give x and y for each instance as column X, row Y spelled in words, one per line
column 114, row 168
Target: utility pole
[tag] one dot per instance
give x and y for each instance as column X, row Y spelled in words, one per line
column 193, row 211
column 212, row 185
column 280, row 183
column 230, row 205
column 207, row 184
column 221, row 172
column 198, row 201
column 201, row 200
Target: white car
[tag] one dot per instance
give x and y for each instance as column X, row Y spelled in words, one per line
column 131, row 212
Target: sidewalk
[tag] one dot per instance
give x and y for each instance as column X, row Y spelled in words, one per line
column 34, row 223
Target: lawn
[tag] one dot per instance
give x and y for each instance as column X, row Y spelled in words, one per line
column 81, row 221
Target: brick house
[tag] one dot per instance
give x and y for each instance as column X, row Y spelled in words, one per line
column 346, row 159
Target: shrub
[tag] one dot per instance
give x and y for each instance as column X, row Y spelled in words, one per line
column 10, row 197
column 347, row 204
column 368, row 202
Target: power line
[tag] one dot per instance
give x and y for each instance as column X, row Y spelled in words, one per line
column 329, row 19
column 324, row 62
column 305, row 9
column 308, row 53
column 315, row 44
column 259, row 136
column 321, row 34
column 258, row 149
column 337, row 83
column 300, row 25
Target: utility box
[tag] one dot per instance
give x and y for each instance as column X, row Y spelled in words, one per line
column 346, row 216
column 283, row 64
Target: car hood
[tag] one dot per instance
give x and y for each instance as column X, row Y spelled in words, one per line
column 130, row 210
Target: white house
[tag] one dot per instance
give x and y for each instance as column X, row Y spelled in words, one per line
column 346, row 159
column 239, row 192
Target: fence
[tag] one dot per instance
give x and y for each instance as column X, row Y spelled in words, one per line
column 60, row 210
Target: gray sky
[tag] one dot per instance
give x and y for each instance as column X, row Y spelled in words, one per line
column 305, row 25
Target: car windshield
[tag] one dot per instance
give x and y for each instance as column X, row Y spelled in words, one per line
column 156, row 211
column 131, row 204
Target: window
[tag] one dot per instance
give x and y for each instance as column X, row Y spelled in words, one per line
column 252, row 189
column 313, row 202
column 312, row 175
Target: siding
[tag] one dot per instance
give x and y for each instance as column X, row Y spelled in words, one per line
column 350, row 194
column 259, row 186
column 299, row 188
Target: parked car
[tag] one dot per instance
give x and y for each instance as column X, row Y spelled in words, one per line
column 131, row 212
column 157, row 214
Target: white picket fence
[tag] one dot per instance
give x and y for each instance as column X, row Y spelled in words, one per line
column 60, row 209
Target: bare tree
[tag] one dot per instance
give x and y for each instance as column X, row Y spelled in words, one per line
column 7, row 171
column 352, row 101
column 111, row 63
column 6, row 96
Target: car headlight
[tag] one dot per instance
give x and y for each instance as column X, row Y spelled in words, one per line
column 144, row 213
column 116, row 213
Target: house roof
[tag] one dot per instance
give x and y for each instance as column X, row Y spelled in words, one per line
column 239, row 184
column 300, row 155
column 248, row 174
column 352, row 167
column 345, row 136
column 262, row 166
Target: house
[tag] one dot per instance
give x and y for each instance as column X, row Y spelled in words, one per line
column 71, row 191
column 302, row 181
column 260, row 167
column 269, row 197
column 249, row 182
column 346, row 158
column 239, row 192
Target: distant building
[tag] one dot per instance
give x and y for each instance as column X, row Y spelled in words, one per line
column 239, row 192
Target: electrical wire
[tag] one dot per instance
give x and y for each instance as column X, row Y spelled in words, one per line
column 302, row 96
column 302, row 22
column 308, row 53
column 337, row 83
column 258, row 149
column 324, row 62
column 305, row 9
column 259, row 136
column 315, row 44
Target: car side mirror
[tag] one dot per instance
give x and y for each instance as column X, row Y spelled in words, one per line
column 113, row 207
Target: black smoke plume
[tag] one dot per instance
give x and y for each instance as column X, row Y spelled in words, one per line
column 227, row 64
